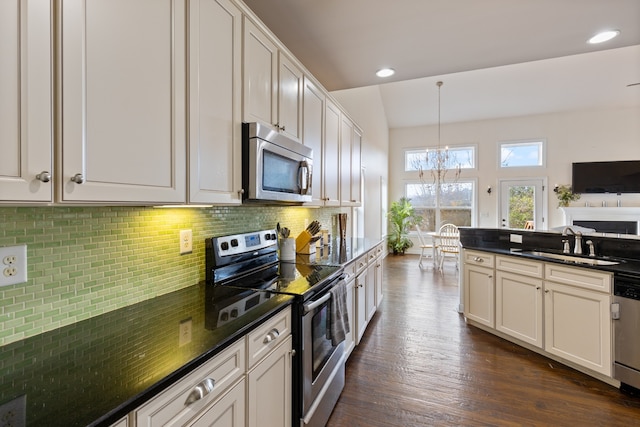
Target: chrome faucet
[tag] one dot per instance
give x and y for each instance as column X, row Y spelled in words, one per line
column 577, row 248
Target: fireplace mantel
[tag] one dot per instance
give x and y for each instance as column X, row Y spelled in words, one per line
column 572, row 214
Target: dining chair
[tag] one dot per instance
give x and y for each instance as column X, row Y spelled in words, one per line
column 448, row 243
column 424, row 248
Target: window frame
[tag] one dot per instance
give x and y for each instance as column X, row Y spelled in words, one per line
column 542, row 152
column 472, row 147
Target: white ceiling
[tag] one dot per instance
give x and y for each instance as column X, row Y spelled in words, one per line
column 497, row 58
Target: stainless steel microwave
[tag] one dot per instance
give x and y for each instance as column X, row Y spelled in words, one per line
column 275, row 168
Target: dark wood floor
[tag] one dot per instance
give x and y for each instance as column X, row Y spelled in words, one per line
column 419, row 364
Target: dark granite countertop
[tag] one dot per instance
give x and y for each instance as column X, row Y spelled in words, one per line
column 608, row 247
column 95, row 371
column 339, row 252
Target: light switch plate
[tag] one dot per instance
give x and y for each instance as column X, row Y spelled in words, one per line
column 13, row 265
column 515, row 238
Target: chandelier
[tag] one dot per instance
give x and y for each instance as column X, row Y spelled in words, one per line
column 440, row 161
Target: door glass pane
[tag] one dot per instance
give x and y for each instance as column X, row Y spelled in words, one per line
column 521, row 206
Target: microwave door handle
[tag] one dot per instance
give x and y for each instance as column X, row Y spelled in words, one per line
column 304, row 177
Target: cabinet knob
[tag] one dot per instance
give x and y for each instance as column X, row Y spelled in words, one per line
column 241, row 191
column 44, row 176
column 546, row 291
column 200, row 391
column 78, row 178
column 538, row 288
column 272, row 335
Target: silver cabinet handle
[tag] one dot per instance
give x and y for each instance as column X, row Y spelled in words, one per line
column 478, row 259
column 200, row 391
column 271, row 336
column 44, row 176
column 78, row 178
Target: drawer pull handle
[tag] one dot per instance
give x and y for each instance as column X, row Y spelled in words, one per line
column 478, row 259
column 200, row 391
column 271, row 336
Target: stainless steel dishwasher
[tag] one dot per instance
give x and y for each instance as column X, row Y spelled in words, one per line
column 626, row 329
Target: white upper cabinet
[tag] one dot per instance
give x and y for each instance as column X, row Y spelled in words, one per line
column 214, row 102
column 350, row 163
column 272, row 84
column 331, row 155
column 123, row 101
column 26, row 130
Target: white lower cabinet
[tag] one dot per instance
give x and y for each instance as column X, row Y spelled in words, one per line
column 193, row 395
column 247, row 384
column 269, row 389
column 565, row 311
column 519, row 307
column 519, row 310
column 578, row 326
column 479, row 295
column 228, row 411
column 349, row 339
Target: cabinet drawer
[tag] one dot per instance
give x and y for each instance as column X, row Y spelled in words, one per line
column 579, row 277
column 171, row 407
column 360, row 264
column 379, row 250
column 479, row 258
column 371, row 255
column 267, row 337
column 350, row 269
column 520, row 266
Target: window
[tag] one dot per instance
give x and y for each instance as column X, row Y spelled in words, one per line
column 454, row 204
column 463, row 157
column 521, row 154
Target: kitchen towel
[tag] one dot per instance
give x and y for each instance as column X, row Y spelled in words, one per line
column 338, row 314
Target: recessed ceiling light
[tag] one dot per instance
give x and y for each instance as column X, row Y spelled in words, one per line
column 604, row 36
column 385, row 72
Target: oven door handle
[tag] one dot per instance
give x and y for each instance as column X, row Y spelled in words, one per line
column 317, row 303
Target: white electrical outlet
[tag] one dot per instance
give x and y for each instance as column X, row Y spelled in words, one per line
column 13, row 265
column 186, row 242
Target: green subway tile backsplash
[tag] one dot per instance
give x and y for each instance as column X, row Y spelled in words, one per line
column 85, row 261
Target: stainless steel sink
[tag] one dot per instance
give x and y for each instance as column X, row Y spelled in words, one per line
column 573, row 259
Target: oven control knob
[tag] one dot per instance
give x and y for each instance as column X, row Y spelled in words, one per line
column 273, row 236
column 234, row 313
column 224, row 246
column 267, row 236
column 224, row 316
column 234, row 243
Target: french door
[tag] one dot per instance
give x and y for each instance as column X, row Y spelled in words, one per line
column 522, row 203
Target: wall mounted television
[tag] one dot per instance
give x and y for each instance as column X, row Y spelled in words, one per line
column 606, row 177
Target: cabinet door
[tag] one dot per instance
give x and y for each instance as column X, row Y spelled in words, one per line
column 26, row 99
column 479, row 298
column 361, row 305
column 346, row 173
column 519, row 307
column 260, row 80
column 578, row 326
column 123, row 98
column 215, row 28
column 356, row 166
column 370, row 290
column 379, row 276
column 349, row 341
column 312, row 136
column 269, row 389
column 290, row 81
column 229, row 411
column 331, row 155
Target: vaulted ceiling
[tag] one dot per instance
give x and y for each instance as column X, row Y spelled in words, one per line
column 497, row 58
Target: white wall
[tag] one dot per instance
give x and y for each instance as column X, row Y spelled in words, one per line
column 365, row 108
column 579, row 136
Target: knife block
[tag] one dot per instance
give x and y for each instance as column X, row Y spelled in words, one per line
column 304, row 245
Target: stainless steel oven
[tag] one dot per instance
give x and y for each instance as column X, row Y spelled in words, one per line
column 322, row 360
column 626, row 329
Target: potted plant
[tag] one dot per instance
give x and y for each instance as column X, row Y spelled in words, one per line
column 565, row 195
column 402, row 217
